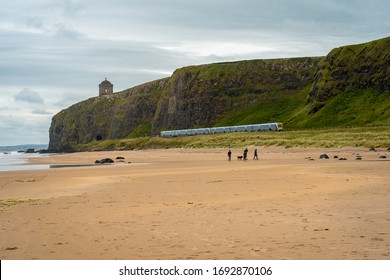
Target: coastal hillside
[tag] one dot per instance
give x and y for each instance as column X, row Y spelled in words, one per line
column 350, row 69
column 348, row 87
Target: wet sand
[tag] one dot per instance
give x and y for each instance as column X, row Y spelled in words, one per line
column 194, row 204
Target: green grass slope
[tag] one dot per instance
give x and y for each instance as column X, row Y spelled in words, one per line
column 367, row 107
column 350, row 89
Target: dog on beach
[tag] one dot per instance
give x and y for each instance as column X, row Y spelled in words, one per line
column 239, row 157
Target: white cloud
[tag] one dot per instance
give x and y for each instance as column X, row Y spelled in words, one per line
column 157, row 72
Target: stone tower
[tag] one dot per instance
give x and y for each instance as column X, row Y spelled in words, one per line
column 106, row 88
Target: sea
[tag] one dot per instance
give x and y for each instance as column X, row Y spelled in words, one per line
column 14, row 158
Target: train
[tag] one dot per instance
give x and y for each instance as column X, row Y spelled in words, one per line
column 223, row 129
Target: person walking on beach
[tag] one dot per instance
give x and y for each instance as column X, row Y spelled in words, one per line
column 229, row 155
column 246, row 154
column 255, row 155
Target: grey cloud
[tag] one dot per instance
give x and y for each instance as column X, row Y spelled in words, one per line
column 72, row 7
column 66, row 32
column 211, row 16
column 29, row 96
column 36, row 22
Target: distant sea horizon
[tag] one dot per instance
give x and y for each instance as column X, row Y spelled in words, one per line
column 23, row 147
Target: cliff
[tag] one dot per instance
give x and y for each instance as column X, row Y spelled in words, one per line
column 194, row 96
column 351, row 68
column 300, row 92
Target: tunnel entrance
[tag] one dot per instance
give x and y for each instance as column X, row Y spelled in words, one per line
column 99, row 137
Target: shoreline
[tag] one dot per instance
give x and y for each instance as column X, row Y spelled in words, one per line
column 194, row 204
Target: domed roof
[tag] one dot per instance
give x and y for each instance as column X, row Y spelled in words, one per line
column 105, row 82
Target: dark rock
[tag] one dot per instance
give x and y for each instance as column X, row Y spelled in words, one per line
column 107, row 160
column 383, row 157
column 343, row 158
column 336, row 157
column 120, row 158
column 324, row 156
column 372, row 150
column 30, row 151
column 104, row 160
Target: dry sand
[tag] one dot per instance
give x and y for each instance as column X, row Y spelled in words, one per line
column 194, row 204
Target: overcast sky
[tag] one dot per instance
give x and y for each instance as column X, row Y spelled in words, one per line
column 54, row 53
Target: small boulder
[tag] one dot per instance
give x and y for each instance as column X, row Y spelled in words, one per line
column 120, row 158
column 324, row 156
column 383, row 157
column 107, row 160
column 104, row 160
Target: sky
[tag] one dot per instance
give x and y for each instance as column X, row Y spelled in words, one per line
column 54, row 53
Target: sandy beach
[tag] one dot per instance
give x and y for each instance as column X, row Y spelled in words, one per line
column 194, row 204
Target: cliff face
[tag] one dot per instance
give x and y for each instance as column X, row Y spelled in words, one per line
column 200, row 96
column 350, row 68
column 284, row 90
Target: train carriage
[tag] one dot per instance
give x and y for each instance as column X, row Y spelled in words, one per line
column 224, row 129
